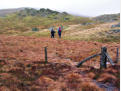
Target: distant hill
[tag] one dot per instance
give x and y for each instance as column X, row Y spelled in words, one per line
column 24, row 19
column 107, row 18
column 30, row 12
column 4, row 12
column 42, row 12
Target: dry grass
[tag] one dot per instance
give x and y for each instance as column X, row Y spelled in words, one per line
column 22, row 64
column 73, row 80
column 94, row 33
column 89, row 86
column 105, row 77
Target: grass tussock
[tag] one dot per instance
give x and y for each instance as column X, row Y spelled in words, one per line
column 89, row 86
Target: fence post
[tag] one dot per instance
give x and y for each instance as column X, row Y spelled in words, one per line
column 103, row 58
column 46, row 55
column 117, row 55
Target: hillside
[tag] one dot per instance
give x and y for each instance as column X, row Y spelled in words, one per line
column 74, row 28
column 100, row 32
column 28, row 18
column 107, row 18
column 24, row 36
column 104, row 32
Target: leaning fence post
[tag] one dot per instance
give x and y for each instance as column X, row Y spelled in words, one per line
column 117, row 55
column 46, row 55
column 86, row 59
column 103, row 58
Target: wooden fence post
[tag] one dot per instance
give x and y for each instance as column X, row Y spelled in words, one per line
column 46, row 55
column 103, row 58
column 109, row 58
column 117, row 55
column 86, row 59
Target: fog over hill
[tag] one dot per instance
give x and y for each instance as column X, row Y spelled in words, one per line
column 4, row 12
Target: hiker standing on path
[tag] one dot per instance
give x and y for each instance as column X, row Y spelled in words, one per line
column 52, row 33
column 59, row 32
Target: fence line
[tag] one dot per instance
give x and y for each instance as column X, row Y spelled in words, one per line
column 104, row 56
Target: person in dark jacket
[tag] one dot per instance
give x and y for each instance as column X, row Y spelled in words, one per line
column 52, row 33
column 59, row 32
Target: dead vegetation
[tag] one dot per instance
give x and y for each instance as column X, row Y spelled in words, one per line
column 22, row 66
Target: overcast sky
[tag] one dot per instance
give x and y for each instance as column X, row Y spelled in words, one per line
column 78, row 7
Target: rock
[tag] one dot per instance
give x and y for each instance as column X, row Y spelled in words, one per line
column 115, row 31
column 117, row 25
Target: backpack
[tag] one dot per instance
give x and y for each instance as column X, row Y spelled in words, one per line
column 59, row 29
column 52, row 31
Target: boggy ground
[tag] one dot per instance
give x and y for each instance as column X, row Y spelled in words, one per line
column 22, row 66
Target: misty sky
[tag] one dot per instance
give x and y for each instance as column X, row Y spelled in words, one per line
column 77, row 7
